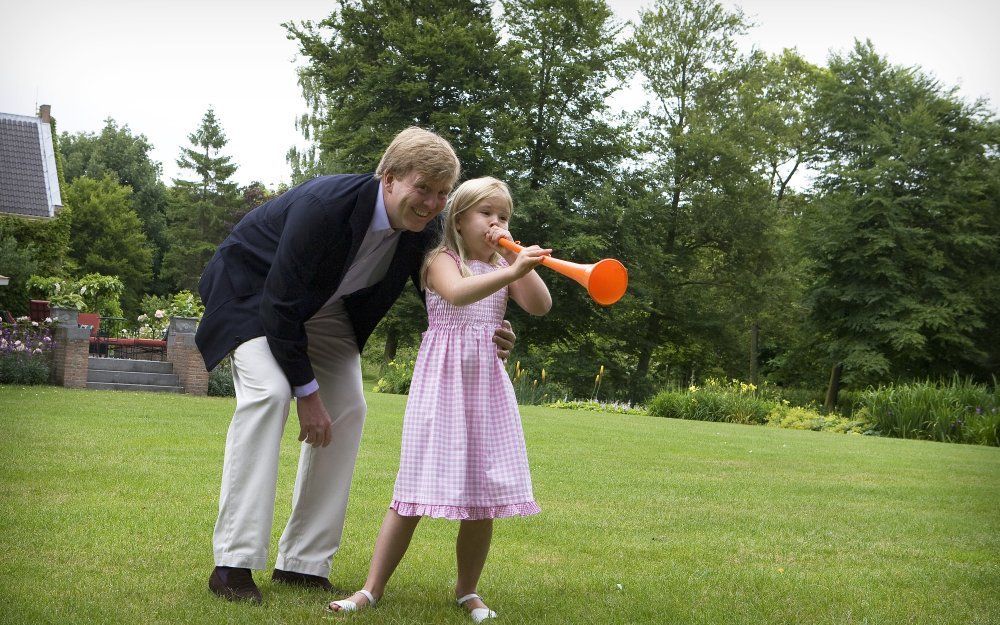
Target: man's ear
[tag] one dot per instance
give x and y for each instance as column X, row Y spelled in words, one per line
column 387, row 179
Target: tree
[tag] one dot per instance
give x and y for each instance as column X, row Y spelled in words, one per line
column 117, row 151
column 375, row 67
column 705, row 208
column 199, row 211
column 107, row 236
column 903, row 225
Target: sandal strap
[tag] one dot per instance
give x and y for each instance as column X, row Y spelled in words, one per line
column 368, row 596
column 468, row 597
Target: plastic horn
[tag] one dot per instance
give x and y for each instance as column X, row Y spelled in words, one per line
column 605, row 280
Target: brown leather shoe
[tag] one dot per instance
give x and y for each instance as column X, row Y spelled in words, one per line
column 234, row 585
column 302, row 579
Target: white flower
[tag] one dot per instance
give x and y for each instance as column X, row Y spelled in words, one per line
column 141, row 318
column 48, row 320
column 47, row 339
column 158, row 314
column 37, row 350
column 24, row 318
column 16, row 343
column 19, row 347
column 34, row 323
column 83, row 289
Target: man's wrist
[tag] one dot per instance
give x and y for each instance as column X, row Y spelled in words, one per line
column 306, row 389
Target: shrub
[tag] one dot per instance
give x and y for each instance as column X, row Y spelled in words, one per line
column 220, row 380
column 733, row 402
column 25, row 352
column 798, row 418
column 533, row 390
column 598, row 406
column 955, row 411
column 396, row 375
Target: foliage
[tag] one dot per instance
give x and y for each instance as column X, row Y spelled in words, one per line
column 397, row 373
column 93, row 292
column 591, row 405
column 107, row 236
column 533, row 390
column 958, row 410
column 798, row 418
column 220, row 380
column 25, row 351
column 375, row 67
column 199, row 211
column 157, row 312
column 900, row 231
column 733, row 402
column 116, row 151
column 27, row 247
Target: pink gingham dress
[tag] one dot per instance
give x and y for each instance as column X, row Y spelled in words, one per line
column 463, row 454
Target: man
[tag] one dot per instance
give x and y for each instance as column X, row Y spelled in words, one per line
column 295, row 290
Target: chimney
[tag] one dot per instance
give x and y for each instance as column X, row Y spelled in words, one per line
column 45, row 112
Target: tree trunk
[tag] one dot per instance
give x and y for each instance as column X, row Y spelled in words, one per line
column 645, row 354
column 391, row 344
column 833, row 390
column 754, row 352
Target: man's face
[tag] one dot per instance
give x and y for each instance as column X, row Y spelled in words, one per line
column 413, row 200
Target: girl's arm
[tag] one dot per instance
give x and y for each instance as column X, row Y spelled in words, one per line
column 445, row 278
column 531, row 294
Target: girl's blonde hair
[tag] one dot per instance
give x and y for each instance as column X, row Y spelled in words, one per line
column 466, row 196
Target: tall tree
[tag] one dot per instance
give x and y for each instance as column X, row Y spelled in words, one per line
column 375, row 67
column 106, row 236
column 117, row 151
column 904, row 223
column 706, row 208
column 199, row 210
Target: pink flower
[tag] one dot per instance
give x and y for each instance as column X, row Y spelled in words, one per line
column 158, row 314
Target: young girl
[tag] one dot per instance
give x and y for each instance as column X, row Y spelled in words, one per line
column 463, row 454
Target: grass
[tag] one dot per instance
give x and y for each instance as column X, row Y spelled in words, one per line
column 107, row 503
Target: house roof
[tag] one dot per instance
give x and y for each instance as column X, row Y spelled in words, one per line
column 29, row 184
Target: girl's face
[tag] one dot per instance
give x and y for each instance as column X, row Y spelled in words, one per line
column 474, row 223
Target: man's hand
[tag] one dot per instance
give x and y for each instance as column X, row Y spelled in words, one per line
column 504, row 338
column 314, row 421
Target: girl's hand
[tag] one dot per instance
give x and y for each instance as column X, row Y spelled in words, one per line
column 493, row 237
column 528, row 259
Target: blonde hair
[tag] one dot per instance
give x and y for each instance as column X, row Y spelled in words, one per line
column 416, row 149
column 469, row 194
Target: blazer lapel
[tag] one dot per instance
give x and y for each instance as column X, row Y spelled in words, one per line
column 361, row 218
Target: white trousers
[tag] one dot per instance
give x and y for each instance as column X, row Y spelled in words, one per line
column 250, row 467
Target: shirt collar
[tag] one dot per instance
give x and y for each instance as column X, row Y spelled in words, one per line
column 380, row 218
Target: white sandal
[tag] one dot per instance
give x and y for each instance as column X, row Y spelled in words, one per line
column 346, row 605
column 478, row 614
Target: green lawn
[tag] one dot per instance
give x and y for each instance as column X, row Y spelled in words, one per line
column 107, row 502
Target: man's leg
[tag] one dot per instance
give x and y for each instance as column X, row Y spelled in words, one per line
column 319, row 502
column 250, row 467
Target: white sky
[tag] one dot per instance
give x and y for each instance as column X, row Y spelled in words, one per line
column 157, row 65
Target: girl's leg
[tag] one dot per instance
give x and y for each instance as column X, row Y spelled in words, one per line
column 390, row 546
column 472, row 547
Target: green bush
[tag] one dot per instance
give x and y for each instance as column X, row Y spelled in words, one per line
column 599, row 406
column 220, row 380
column 799, row 418
column 397, row 374
column 24, row 369
column 732, row 402
column 958, row 411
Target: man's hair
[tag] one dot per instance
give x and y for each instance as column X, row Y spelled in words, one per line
column 416, row 149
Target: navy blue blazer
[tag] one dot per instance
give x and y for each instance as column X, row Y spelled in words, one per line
column 286, row 258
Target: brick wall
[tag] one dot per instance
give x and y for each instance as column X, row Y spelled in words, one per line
column 183, row 353
column 69, row 357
